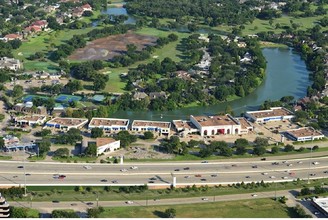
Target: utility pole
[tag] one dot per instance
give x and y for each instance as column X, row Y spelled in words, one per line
column 97, row 199
column 25, row 194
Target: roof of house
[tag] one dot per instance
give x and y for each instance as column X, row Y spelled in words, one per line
column 304, row 132
column 86, row 6
column 103, row 141
column 244, row 123
column 33, row 27
column 158, row 124
column 217, row 120
column 39, row 23
column 108, row 122
column 13, row 36
column 278, row 111
column 68, row 121
column 30, row 118
column 140, row 95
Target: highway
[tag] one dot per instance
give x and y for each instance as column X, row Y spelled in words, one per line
column 160, row 174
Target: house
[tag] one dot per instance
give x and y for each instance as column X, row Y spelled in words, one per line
column 109, row 124
column 10, row 37
column 86, row 7
column 66, row 123
column 77, row 12
column 154, row 126
column 40, row 23
column 30, row 120
column 32, row 29
column 304, row 134
column 10, row 63
column 28, row 108
column 156, row 95
column 139, row 95
column 215, row 125
column 273, row 114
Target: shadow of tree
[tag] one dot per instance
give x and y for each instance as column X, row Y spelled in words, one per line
column 159, row 214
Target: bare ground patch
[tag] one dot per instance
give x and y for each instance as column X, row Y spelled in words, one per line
column 108, row 47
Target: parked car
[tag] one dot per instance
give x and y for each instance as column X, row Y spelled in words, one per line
column 205, row 199
column 129, row 202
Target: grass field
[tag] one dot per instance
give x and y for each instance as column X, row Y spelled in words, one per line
column 115, row 84
column 257, row 208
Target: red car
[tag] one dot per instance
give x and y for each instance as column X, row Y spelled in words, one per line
column 61, row 177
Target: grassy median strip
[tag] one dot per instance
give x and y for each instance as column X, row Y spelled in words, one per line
column 255, row 208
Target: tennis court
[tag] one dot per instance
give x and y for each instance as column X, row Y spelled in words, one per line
column 67, row 98
column 29, row 98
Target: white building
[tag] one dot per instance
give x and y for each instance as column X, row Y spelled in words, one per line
column 155, row 126
column 304, row 134
column 30, row 120
column 219, row 124
column 274, row 114
column 66, row 123
column 10, row 63
column 109, row 124
column 4, row 207
column 321, row 204
column 184, row 127
column 107, row 145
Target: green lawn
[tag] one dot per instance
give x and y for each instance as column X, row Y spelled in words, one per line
column 255, row 208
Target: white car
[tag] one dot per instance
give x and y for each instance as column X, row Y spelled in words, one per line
column 87, row 167
column 315, row 163
column 299, row 162
column 123, row 170
column 205, row 199
column 254, row 195
column 129, row 202
column 272, row 177
column 133, row 167
column 289, row 165
column 285, row 177
column 187, row 177
column 264, row 173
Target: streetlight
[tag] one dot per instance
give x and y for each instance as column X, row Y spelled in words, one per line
column 25, row 194
column 309, row 166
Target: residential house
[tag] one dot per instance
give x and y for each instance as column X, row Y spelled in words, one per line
column 139, row 95
column 10, row 63
column 10, row 37
column 156, row 95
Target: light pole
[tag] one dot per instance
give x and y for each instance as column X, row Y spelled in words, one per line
column 310, row 166
column 25, row 194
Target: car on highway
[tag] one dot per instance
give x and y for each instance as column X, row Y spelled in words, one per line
column 289, row 165
column 114, row 181
column 247, row 177
column 198, row 175
column 87, row 167
column 300, row 162
column 275, row 163
column 20, row 167
column 205, row 199
column 203, row 180
column 205, row 161
column 254, row 166
column 325, row 171
column 129, row 202
column 123, row 170
column 263, row 158
column 187, row 177
column 316, row 213
column 186, row 168
column 104, row 181
column 285, row 177
column 254, row 195
column 15, row 176
column 61, row 177
column 177, row 170
column 73, row 204
column 133, row 167
column 272, row 177
column 55, row 176
column 234, row 165
column 153, row 178
column 315, row 163
column 312, row 174
column 27, row 174
column 264, row 173
column 214, row 175
column 55, row 201
column 150, row 181
column 89, row 203
column 285, row 161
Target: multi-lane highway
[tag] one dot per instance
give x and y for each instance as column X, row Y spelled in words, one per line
column 43, row 173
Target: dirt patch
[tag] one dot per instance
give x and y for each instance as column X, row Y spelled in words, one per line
column 108, row 47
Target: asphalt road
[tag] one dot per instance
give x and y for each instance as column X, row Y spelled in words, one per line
column 42, row 173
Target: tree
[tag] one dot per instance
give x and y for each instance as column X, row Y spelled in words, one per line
column 170, row 213
column 17, row 91
column 44, row 146
column 126, row 138
column 18, row 212
column 315, row 147
column 241, row 144
column 261, row 142
column 63, row 214
column 95, row 212
column 2, row 143
column 97, row 132
column 289, row 148
column 305, row 191
column 259, row 150
column 61, row 152
column 148, row 135
column 91, row 150
column 73, row 86
column 274, row 150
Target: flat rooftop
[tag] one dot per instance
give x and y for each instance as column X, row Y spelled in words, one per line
column 244, row 123
column 216, row 120
column 273, row 112
column 322, row 203
column 103, row 141
column 108, row 122
column 158, row 124
column 184, row 124
column 30, row 118
column 68, row 121
column 304, row 132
